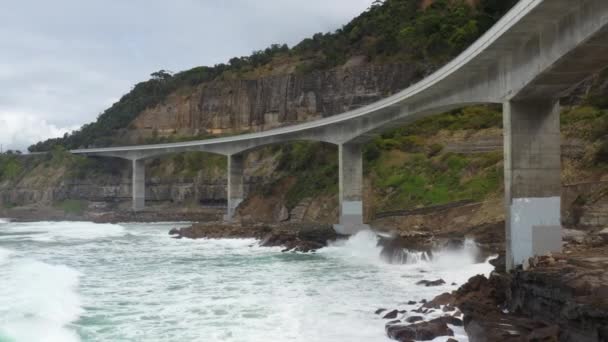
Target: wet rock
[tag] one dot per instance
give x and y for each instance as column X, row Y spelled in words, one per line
column 393, row 322
column 449, row 308
column 572, row 235
column 452, row 340
column 303, row 237
column 442, row 299
column 412, row 302
column 414, row 319
column 429, row 283
column 174, row 231
column 545, row 334
column 391, row 315
column 449, row 320
column 379, row 311
column 424, row 331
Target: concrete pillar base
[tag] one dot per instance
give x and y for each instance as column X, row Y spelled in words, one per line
column 351, row 190
column 535, row 227
column 236, row 191
column 139, row 185
column 532, row 179
column 233, row 204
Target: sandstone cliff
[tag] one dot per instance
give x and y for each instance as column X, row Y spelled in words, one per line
column 232, row 106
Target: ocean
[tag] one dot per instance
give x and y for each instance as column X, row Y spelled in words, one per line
column 80, row 281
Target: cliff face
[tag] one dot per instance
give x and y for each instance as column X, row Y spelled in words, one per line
column 230, row 106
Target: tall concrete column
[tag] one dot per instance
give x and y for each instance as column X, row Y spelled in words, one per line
column 236, row 192
column 532, row 179
column 138, row 183
column 351, row 189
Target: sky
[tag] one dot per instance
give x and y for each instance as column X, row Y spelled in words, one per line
column 63, row 62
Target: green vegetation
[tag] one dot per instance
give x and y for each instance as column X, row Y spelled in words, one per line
column 422, row 181
column 314, row 166
column 74, row 207
column 10, row 167
column 389, row 31
column 408, row 168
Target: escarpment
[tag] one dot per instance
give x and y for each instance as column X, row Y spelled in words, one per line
column 232, row 106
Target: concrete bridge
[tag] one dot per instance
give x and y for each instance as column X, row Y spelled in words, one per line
column 533, row 55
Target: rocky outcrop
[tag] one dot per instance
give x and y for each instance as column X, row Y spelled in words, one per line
column 293, row 237
column 570, row 291
column 259, row 104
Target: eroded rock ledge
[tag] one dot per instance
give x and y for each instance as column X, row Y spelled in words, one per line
column 303, row 237
column 559, row 297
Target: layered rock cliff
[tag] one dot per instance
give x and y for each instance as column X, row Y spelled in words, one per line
column 232, row 106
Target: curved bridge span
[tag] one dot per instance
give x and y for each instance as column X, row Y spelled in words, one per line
column 527, row 61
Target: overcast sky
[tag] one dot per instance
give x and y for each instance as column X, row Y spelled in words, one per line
column 63, row 62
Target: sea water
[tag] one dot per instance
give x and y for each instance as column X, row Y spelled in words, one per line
column 80, row 281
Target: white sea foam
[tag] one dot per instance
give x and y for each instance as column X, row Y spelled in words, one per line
column 38, row 301
column 61, row 231
column 142, row 285
column 4, row 220
column 4, row 255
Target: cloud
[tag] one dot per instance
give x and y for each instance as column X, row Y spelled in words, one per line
column 19, row 130
column 63, row 61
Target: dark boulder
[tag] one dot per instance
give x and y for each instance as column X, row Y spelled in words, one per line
column 379, row 311
column 429, row 283
column 424, row 331
column 391, row 315
column 414, row 319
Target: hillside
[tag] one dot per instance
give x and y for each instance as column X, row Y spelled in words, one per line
column 444, row 159
column 391, row 45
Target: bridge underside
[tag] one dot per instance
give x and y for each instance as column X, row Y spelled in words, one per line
column 537, row 52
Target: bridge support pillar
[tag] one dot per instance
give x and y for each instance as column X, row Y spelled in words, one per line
column 236, row 192
column 138, row 183
column 351, row 190
column 532, row 179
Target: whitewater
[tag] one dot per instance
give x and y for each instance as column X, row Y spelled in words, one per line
column 80, row 281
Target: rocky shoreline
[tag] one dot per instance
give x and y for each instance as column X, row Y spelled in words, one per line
column 558, row 297
column 293, row 237
column 561, row 297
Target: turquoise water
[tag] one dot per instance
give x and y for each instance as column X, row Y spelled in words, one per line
column 91, row 282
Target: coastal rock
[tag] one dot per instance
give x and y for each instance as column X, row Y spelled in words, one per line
column 393, row 322
column 429, row 283
column 443, row 299
column 391, row 315
column 414, row 319
column 379, row 311
column 570, row 291
column 293, row 237
column 424, row 331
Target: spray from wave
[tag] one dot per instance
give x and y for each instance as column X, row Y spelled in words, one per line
column 54, row 232
column 369, row 247
column 38, row 301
